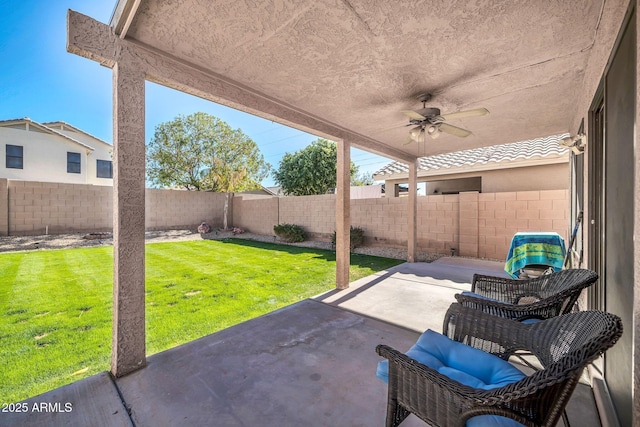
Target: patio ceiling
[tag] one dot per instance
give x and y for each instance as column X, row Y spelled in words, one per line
column 355, row 64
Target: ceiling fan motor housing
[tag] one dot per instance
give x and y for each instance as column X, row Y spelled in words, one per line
column 428, row 112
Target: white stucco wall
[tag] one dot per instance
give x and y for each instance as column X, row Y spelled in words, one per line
column 531, row 178
column 45, row 157
column 102, row 151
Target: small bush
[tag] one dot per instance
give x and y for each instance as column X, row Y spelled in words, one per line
column 357, row 237
column 290, row 232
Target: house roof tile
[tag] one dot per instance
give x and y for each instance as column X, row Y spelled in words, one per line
column 548, row 147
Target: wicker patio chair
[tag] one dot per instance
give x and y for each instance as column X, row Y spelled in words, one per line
column 544, row 297
column 564, row 345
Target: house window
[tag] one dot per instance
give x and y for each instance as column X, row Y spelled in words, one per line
column 73, row 162
column 14, row 156
column 105, row 169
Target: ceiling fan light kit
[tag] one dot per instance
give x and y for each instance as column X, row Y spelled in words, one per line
column 428, row 120
column 434, row 131
column 417, row 134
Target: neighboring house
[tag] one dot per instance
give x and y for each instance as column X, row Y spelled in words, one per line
column 362, row 191
column 53, row 152
column 262, row 191
column 356, row 192
column 537, row 164
column 275, row 190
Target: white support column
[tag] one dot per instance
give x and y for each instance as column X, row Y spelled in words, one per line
column 412, row 213
column 343, row 215
column 128, row 351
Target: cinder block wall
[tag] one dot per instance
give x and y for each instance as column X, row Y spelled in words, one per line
column 4, row 207
column 474, row 224
column 317, row 214
column 468, row 234
column 256, row 215
column 173, row 209
column 501, row 215
column 35, row 207
column 438, row 225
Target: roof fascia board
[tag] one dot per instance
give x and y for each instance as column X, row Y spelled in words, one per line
column 55, row 132
column 480, row 168
column 45, row 129
column 75, row 129
column 10, row 122
column 96, row 41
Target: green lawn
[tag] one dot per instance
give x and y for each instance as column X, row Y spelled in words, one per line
column 56, row 305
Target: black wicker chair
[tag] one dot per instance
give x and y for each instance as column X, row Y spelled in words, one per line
column 564, row 345
column 544, row 297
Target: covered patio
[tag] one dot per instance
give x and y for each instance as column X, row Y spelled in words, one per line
column 345, row 69
column 312, row 363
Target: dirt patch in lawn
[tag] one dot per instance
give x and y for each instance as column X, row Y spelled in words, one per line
column 83, row 240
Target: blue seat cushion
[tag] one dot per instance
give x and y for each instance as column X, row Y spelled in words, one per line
column 458, row 361
column 491, row 421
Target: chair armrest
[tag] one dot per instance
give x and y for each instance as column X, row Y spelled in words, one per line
column 482, row 330
column 542, row 309
column 499, row 288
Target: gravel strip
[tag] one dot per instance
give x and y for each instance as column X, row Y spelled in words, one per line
column 78, row 240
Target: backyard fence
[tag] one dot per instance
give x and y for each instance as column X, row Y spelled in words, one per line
column 471, row 224
column 33, row 208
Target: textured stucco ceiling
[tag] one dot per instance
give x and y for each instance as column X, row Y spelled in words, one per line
column 357, row 63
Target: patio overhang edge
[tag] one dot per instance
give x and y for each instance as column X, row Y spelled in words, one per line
column 94, row 40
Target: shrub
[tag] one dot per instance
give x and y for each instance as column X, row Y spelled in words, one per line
column 290, row 232
column 357, row 237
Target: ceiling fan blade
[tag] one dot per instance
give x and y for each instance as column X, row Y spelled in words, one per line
column 390, row 128
column 467, row 113
column 454, row 130
column 413, row 115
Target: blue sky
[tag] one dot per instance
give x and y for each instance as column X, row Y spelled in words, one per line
column 40, row 80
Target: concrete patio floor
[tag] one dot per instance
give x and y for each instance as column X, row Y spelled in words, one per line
column 309, row 364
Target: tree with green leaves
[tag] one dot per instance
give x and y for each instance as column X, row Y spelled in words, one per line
column 362, row 179
column 311, row 170
column 202, row 152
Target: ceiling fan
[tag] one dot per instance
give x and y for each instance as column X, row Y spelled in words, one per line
column 429, row 121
